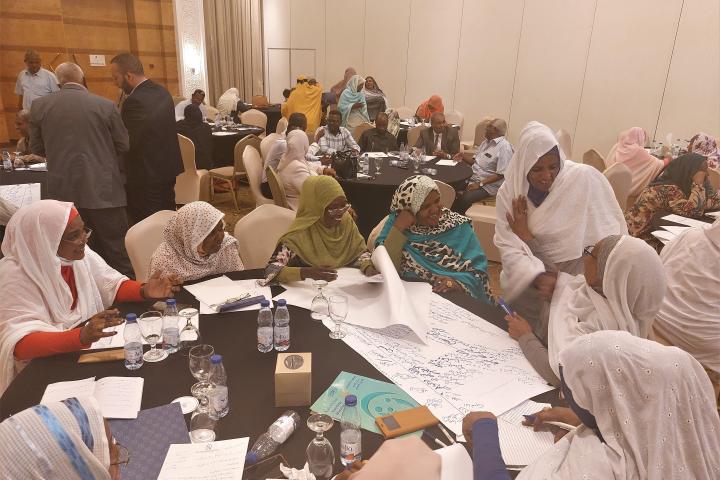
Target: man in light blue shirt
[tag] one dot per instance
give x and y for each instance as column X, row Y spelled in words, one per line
column 489, row 164
column 34, row 82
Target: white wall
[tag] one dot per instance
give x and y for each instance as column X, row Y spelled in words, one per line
column 591, row 67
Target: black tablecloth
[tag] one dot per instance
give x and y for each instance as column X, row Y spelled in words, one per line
column 250, row 373
column 224, row 145
column 17, row 177
column 371, row 197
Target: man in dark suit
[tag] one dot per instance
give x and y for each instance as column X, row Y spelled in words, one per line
column 154, row 160
column 83, row 138
column 440, row 139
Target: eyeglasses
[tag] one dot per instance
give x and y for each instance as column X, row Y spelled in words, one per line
column 338, row 212
column 121, row 456
column 588, row 251
column 80, row 237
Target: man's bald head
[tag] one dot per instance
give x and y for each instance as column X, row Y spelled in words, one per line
column 69, row 72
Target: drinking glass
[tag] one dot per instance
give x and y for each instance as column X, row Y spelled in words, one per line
column 320, row 453
column 200, row 369
column 338, row 312
column 189, row 335
column 151, row 328
column 202, row 428
column 319, row 307
column 378, row 166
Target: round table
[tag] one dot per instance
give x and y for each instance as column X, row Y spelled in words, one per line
column 224, row 143
column 371, row 197
column 250, row 373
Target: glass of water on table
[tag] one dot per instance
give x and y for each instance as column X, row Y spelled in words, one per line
column 200, row 369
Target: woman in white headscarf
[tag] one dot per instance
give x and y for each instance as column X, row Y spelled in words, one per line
column 60, row 440
column 294, row 168
column 51, row 282
column 645, row 411
column 196, row 245
column 548, row 210
column 689, row 317
column 227, row 103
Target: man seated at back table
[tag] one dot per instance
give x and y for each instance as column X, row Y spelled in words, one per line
column 197, row 98
column 378, row 139
column 440, row 140
column 332, row 138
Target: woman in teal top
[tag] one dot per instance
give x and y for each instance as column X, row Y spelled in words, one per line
column 428, row 242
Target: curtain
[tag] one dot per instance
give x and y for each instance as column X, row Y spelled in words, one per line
column 233, row 39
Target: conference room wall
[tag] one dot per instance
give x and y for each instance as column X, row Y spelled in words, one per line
column 573, row 65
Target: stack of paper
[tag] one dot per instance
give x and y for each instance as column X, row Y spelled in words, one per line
column 118, row 397
column 205, row 461
column 521, row 445
column 20, row 195
column 690, row 222
column 217, row 291
column 446, row 162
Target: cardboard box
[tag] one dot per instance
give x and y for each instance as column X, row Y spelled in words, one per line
column 293, row 380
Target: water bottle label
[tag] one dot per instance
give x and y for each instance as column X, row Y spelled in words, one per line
column 171, row 336
column 133, row 354
column 265, row 336
column 218, row 398
column 282, row 335
column 350, row 451
column 281, row 429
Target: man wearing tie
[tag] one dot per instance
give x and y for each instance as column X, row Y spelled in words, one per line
column 154, row 160
column 439, row 140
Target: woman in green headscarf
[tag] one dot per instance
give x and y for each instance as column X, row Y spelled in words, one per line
column 322, row 238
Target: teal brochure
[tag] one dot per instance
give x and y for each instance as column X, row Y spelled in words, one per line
column 375, row 399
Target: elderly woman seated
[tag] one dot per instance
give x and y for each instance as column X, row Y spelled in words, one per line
column 431, row 243
column 322, row 238
column 196, row 245
column 51, row 282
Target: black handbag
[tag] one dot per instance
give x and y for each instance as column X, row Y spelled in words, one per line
column 345, row 164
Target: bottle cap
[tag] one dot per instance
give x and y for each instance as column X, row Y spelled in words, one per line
column 170, row 301
column 216, row 359
column 251, row 458
column 130, row 317
column 350, row 400
column 265, row 303
column 282, row 302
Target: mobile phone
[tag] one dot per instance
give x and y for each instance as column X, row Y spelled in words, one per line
column 406, row 421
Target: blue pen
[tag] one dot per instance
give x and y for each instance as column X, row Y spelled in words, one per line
column 530, row 418
column 505, row 307
column 245, row 302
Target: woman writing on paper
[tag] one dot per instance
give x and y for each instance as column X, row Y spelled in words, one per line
column 322, row 238
column 429, row 242
column 195, row 244
column 51, row 282
column 548, row 210
column 643, row 411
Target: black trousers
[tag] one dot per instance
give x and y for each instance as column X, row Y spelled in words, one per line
column 144, row 199
column 468, row 197
column 265, row 189
column 109, row 226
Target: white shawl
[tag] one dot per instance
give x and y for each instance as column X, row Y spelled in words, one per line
column 228, row 101
column 294, row 169
column 690, row 315
column 34, row 295
column 580, row 210
column 633, row 287
column 654, row 406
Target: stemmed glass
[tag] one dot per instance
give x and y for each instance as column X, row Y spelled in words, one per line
column 189, row 335
column 200, row 369
column 151, row 328
column 378, row 166
column 338, row 312
column 319, row 307
column 320, row 453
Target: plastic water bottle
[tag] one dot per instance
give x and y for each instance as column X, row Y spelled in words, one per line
column 133, row 343
column 350, row 435
column 7, row 161
column 218, row 392
column 265, row 327
column 171, row 331
column 366, row 164
column 282, row 326
column 276, row 435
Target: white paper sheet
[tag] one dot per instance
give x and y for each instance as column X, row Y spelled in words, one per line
column 466, row 365
column 118, row 397
column 521, row 445
column 691, row 222
column 675, row 230
column 220, row 289
column 713, row 214
column 373, row 303
column 663, row 236
column 456, row 464
column 223, row 134
column 22, row 194
column 40, row 167
column 222, row 460
column 427, row 158
column 446, row 163
column 118, row 340
column 376, row 154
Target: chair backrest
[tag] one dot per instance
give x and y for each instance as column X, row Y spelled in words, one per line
column 250, row 140
column 211, row 112
column 447, row 194
column 360, row 129
column 143, row 238
column 281, row 125
column 405, row 112
column 480, row 130
column 375, row 233
column 267, row 143
column 563, row 138
column 455, row 117
column 258, row 232
column 259, row 101
column 187, row 152
column 253, row 168
column 594, row 159
column 620, row 179
column 714, row 178
column 254, row 117
column 413, row 134
column 276, row 187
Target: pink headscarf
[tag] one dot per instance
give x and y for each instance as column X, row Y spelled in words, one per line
column 705, row 145
column 630, row 151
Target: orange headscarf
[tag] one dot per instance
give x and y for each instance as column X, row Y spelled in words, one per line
column 430, row 106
